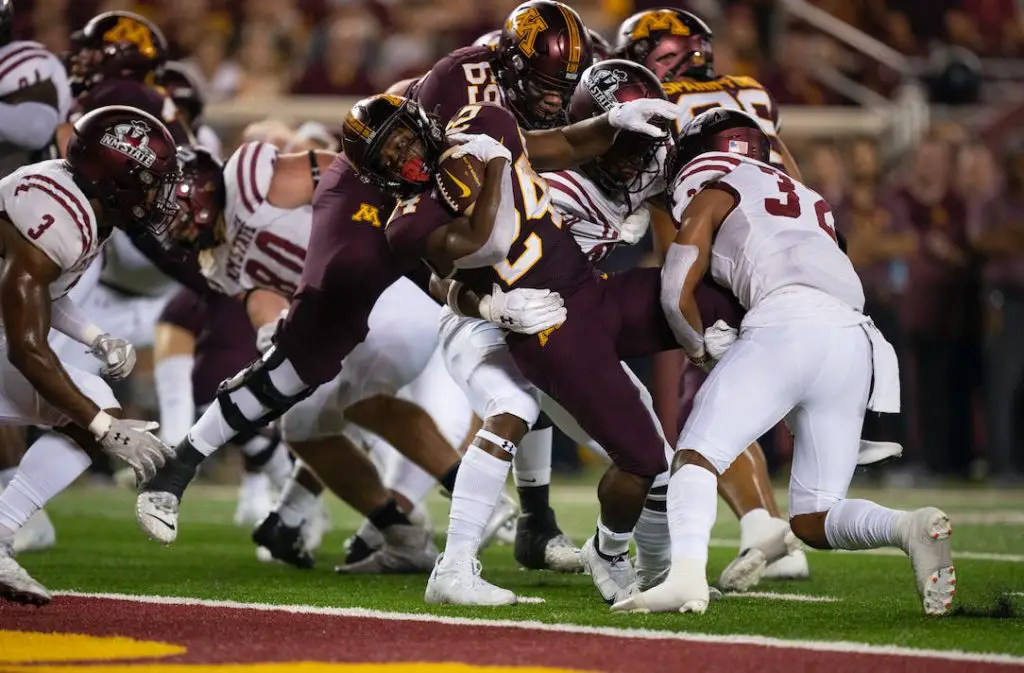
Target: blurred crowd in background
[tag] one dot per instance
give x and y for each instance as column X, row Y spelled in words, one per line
column 938, row 236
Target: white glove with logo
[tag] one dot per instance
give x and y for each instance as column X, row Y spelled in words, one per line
column 265, row 334
column 636, row 115
column 719, row 338
column 635, row 225
column 481, row 146
column 116, row 354
column 525, row 310
column 132, row 442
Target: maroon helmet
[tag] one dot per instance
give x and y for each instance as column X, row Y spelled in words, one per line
column 115, row 45
column 202, row 195
column 126, row 159
column 401, row 166
column 541, row 54
column 184, row 89
column 672, row 43
column 631, row 157
column 719, row 130
column 602, row 48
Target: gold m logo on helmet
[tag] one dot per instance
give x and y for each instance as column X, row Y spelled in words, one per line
column 658, row 20
column 527, row 25
column 130, row 30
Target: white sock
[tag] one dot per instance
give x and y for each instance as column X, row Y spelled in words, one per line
column 49, row 466
column 861, row 524
column 532, row 465
column 611, row 543
column 6, row 476
column 751, row 526
column 296, row 504
column 254, row 481
column 211, row 431
column 408, row 479
column 279, row 466
column 478, row 485
column 651, row 537
column 692, row 507
column 172, row 377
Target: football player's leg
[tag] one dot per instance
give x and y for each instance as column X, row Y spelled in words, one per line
column 479, row 362
column 291, row 533
column 827, row 430
column 12, row 448
column 759, row 376
column 266, row 466
column 49, row 466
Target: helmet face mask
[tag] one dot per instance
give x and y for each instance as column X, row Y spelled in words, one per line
column 393, row 144
column 541, row 53
column 201, row 196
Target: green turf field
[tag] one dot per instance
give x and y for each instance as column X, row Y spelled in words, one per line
column 100, row 549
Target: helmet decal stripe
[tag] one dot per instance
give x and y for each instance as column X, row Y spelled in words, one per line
column 358, row 126
column 575, row 40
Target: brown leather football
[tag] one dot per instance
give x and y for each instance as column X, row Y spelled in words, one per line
column 459, row 180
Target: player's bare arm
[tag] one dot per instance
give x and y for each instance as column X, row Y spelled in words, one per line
column 25, row 305
column 292, row 185
column 264, row 306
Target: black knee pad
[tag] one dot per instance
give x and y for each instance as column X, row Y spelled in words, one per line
column 256, row 379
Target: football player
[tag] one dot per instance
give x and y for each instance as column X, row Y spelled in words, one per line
column 34, row 95
column 121, row 170
column 815, row 358
column 179, row 81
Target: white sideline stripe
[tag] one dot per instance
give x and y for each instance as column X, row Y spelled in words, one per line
column 611, row 632
column 771, row 595
column 966, row 555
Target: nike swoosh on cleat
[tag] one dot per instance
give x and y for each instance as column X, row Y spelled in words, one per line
column 466, row 191
column 169, row 525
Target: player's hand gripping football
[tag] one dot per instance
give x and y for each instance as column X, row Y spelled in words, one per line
column 481, row 146
column 116, row 354
column 525, row 310
column 135, row 444
column 636, row 115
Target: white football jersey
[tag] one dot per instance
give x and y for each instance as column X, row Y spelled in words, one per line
column 24, row 63
column 736, row 93
column 44, row 203
column 780, row 234
column 594, row 217
column 265, row 246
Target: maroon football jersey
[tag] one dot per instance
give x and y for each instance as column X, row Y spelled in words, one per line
column 463, row 77
column 151, row 99
column 543, row 255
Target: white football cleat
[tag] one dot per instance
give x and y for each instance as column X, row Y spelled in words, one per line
column 792, row 566
column 254, row 500
column 504, row 511
column 507, row 533
column 157, row 515
column 407, row 549
column 614, row 577
column 562, row 556
column 457, row 581
column 931, row 556
column 776, row 540
column 684, row 590
column 875, row 452
column 16, row 585
column 37, row 534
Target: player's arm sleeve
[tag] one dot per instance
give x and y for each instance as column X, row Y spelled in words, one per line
column 67, row 318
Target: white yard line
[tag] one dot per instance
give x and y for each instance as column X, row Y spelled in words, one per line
column 639, row 634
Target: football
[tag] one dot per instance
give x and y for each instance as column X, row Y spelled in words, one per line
column 459, row 180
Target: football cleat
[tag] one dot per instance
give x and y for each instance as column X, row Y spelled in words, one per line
column 504, row 511
column 613, row 576
column 16, row 585
column 457, row 581
column 746, row 570
column 407, row 549
column 931, row 556
column 684, row 590
column 157, row 515
column 37, row 534
column 541, row 545
column 284, row 543
column 792, row 566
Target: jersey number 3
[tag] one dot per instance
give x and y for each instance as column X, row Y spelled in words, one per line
column 35, row 232
column 788, row 205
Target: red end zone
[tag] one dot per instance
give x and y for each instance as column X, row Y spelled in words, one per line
column 215, row 635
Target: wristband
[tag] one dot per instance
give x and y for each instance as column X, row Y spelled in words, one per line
column 485, row 307
column 101, row 424
column 91, row 334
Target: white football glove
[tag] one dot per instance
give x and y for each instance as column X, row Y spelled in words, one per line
column 719, row 338
column 265, row 334
column 481, row 146
column 636, row 115
column 525, row 310
column 132, row 442
column 635, row 225
column 116, row 354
